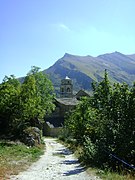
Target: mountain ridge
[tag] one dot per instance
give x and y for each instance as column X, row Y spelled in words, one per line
column 83, row 70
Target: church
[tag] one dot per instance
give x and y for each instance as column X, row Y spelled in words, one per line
column 64, row 104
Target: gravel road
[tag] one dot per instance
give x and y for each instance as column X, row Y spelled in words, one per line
column 58, row 163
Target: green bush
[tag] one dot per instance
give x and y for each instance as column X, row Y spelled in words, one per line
column 89, row 150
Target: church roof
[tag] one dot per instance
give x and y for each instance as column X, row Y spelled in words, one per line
column 82, row 93
column 67, row 101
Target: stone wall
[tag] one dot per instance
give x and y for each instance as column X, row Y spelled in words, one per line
column 49, row 130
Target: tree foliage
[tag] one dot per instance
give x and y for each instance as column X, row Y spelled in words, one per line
column 105, row 123
column 9, row 93
column 25, row 104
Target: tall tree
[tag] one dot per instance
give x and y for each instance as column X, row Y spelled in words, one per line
column 44, row 90
column 9, row 94
column 36, row 98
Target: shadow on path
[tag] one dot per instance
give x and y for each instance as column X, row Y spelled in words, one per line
column 69, row 162
column 77, row 169
column 64, row 151
column 74, row 171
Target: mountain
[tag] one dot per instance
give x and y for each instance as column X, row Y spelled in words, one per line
column 83, row 70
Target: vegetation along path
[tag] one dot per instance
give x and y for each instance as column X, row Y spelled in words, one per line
column 57, row 163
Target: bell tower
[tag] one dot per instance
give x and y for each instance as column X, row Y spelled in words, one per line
column 66, row 88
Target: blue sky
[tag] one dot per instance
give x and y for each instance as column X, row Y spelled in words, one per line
column 39, row 32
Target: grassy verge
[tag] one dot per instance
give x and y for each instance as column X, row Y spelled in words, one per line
column 16, row 157
column 109, row 175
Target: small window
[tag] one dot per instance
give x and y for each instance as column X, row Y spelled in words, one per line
column 68, row 90
column 62, row 89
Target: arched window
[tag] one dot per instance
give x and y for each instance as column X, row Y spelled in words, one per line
column 68, row 89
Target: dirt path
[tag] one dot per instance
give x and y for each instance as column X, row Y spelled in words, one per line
column 58, row 163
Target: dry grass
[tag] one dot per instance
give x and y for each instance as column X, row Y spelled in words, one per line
column 16, row 157
column 110, row 175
